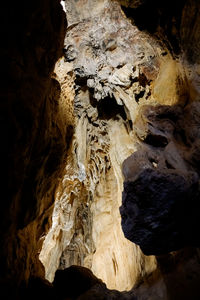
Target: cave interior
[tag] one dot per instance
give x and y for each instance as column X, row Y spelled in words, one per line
column 100, row 119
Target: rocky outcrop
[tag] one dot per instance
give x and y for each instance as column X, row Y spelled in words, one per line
column 161, row 188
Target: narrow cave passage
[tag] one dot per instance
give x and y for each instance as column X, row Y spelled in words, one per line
column 116, row 74
column 100, row 117
column 104, row 74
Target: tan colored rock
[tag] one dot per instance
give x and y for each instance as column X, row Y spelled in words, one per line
column 117, row 70
column 71, row 131
column 102, row 141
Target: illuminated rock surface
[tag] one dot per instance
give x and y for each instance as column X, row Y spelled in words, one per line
column 118, row 114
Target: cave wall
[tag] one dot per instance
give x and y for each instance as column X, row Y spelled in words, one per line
column 127, row 90
column 127, row 78
column 34, row 131
column 87, row 225
column 169, row 146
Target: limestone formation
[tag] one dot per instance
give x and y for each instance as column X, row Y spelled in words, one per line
column 87, row 221
column 105, row 109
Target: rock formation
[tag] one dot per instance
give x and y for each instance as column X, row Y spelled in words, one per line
column 87, row 221
column 117, row 114
column 161, row 188
column 33, row 132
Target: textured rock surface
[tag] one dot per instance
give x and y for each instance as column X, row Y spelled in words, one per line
column 33, row 131
column 86, row 226
column 161, row 189
column 166, row 282
column 125, row 87
column 131, row 87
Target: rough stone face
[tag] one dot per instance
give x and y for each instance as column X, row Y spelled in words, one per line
column 33, row 135
column 163, row 284
column 161, row 188
column 130, row 91
column 128, row 85
column 86, row 226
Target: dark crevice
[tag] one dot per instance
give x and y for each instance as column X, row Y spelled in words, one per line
column 152, row 15
column 80, row 81
column 138, row 96
column 148, row 95
column 143, row 81
column 69, row 134
column 108, row 108
column 130, row 124
column 156, row 140
column 144, row 17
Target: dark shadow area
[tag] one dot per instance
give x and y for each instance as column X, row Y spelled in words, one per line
column 108, row 108
column 181, row 273
column 157, row 16
column 161, row 189
column 69, row 284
